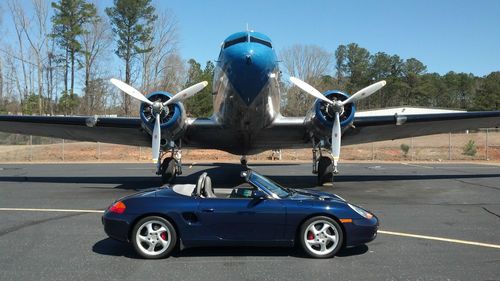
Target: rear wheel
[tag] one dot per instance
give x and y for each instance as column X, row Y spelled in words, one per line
column 321, row 237
column 154, row 237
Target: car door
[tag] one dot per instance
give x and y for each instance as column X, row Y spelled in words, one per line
column 242, row 219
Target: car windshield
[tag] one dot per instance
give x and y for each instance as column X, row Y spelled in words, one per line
column 269, row 185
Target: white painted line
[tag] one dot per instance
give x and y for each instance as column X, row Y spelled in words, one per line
column 51, row 210
column 440, row 239
column 418, row 166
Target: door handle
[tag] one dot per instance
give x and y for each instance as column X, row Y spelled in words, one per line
column 210, row 210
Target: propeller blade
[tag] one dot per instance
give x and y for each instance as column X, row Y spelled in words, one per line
column 336, row 139
column 365, row 92
column 186, row 93
column 155, row 140
column 309, row 89
column 131, row 91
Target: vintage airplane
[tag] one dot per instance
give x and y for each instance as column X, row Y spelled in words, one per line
column 246, row 118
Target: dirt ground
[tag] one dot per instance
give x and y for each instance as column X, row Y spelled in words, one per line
column 428, row 148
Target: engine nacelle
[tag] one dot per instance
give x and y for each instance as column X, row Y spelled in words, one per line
column 319, row 119
column 172, row 119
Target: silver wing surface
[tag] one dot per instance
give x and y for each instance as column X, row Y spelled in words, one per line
column 379, row 128
column 201, row 132
column 293, row 132
column 117, row 130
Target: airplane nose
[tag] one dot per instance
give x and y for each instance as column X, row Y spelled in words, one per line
column 248, row 59
column 248, row 69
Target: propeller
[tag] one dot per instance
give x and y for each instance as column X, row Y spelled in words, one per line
column 158, row 107
column 338, row 109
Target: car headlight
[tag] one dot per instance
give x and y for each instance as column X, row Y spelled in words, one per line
column 361, row 212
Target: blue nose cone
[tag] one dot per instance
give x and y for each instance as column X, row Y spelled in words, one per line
column 248, row 66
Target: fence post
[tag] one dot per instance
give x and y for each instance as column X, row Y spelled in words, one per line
column 411, row 149
column 487, row 133
column 98, row 151
column 31, row 148
column 449, row 146
column 373, row 151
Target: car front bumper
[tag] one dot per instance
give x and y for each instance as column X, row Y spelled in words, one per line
column 361, row 231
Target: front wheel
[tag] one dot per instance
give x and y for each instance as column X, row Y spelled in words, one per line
column 154, row 237
column 168, row 170
column 321, row 237
column 325, row 170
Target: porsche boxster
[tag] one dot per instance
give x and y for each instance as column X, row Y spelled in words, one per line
column 258, row 212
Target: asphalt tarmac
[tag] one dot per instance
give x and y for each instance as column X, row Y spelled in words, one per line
column 457, row 204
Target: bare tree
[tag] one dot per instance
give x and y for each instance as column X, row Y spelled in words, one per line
column 95, row 46
column 162, row 44
column 37, row 37
column 309, row 63
column 174, row 74
column 17, row 12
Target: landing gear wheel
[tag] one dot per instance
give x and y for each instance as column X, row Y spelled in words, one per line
column 325, row 170
column 154, row 237
column 321, row 237
column 244, row 162
column 168, row 170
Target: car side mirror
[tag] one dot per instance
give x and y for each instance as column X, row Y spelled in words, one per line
column 259, row 194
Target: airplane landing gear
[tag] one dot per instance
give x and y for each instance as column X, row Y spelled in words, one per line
column 170, row 167
column 168, row 170
column 322, row 165
column 325, row 170
column 243, row 161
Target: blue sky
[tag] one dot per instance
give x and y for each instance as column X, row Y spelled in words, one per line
column 463, row 36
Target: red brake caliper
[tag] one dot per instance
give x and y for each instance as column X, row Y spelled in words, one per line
column 163, row 236
column 310, row 236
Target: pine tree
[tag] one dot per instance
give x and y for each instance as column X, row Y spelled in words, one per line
column 132, row 22
column 68, row 22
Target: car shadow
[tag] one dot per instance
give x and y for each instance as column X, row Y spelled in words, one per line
column 111, row 247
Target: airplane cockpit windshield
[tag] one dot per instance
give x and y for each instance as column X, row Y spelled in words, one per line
column 260, row 41
column 235, row 41
column 246, row 38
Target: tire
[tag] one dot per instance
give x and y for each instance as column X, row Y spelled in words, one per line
column 332, row 237
column 325, row 170
column 168, row 170
column 155, row 244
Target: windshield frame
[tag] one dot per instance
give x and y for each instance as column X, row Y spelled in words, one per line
column 268, row 186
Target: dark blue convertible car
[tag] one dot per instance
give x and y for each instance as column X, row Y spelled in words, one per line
column 258, row 212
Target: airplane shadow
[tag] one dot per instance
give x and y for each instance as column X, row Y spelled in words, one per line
column 227, row 175
column 112, row 247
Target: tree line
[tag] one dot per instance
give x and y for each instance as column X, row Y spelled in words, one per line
column 408, row 82
column 59, row 63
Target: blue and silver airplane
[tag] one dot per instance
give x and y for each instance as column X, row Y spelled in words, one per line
column 246, row 119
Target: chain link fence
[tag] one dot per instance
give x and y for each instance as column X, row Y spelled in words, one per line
column 478, row 145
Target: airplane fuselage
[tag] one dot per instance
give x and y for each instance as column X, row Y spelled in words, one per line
column 246, row 86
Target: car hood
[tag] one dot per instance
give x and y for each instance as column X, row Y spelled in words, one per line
column 303, row 194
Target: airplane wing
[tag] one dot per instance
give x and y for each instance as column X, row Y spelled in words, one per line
column 200, row 132
column 289, row 132
column 379, row 128
column 285, row 132
column 119, row 130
